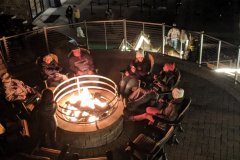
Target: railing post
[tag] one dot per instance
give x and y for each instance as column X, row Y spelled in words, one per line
column 201, row 48
column 105, row 34
column 46, row 38
column 141, row 5
column 6, row 49
column 237, row 67
column 85, row 24
column 143, row 27
column 91, row 4
column 125, row 33
column 120, row 10
column 163, row 38
column 219, row 51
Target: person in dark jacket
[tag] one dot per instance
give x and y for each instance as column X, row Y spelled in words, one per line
column 138, row 69
column 69, row 14
column 80, row 62
column 51, row 70
column 167, row 78
column 47, row 120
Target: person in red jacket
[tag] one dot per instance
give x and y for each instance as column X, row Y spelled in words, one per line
column 81, row 63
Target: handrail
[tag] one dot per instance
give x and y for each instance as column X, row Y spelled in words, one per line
column 207, row 49
column 21, row 34
column 140, row 22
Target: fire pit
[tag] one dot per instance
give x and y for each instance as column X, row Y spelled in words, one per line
column 89, row 107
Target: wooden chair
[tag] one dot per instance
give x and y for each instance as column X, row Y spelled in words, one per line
column 53, row 153
column 24, row 156
column 145, row 148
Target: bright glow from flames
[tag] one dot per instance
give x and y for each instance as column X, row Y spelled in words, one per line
column 92, row 119
column 87, row 102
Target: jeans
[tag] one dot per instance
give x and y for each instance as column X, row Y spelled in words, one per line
column 174, row 43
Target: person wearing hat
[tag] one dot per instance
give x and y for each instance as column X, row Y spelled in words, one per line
column 138, row 69
column 174, row 35
column 167, row 110
column 51, row 70
column 80, row 62
column 15, row 89
column 143, row 62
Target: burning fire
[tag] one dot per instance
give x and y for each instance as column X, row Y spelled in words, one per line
column 85, row 107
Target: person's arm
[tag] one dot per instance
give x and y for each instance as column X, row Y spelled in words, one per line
column 10, row 94
column 150, row 56
column 72, row 66
column 169, row 33
column 90, row 63
column 48, row 70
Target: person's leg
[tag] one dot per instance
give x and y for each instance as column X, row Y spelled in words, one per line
column 143, row 117
column 52, row 135
column 122, row 84
column 174, row 43
column 152, row 110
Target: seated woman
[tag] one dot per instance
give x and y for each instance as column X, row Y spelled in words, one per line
column 51, row 70
column 137, row 70
column 80, row 62
column 167, row 110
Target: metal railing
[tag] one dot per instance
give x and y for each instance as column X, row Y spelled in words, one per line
column 202, row 49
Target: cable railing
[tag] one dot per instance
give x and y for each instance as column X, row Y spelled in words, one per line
column 124, row 35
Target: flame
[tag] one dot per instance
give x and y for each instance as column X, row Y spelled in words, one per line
column 73, row 111
column 92, row 119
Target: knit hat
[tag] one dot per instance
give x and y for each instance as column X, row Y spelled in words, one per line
column 177, row 93
column 169, row 66
column 76, row 52
column 5, row 77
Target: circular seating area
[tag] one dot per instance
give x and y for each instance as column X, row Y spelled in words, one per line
column 211, row 126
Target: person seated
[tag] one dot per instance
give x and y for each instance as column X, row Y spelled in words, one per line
column 143, row 62
column 164, row 109
column 16, row 89
column 138, row 69
column 80, row 62
column 22, row 96
column 167, row 78
column 51, row 70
